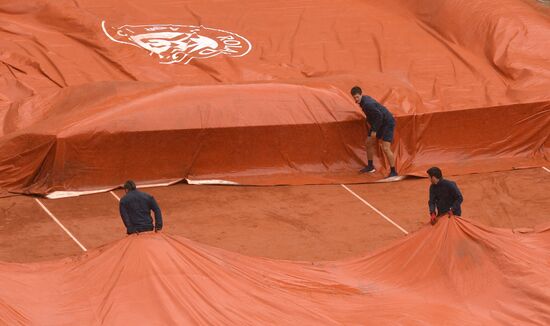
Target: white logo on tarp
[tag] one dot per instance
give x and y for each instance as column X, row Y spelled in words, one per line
column 179, row 43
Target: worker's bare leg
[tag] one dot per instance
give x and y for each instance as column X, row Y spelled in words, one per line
column 386, row 147
column 371, row 142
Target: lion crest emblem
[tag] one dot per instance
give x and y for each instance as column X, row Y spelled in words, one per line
column 179, row 43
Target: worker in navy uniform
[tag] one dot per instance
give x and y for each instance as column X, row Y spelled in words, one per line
column 445, row 197
column 382, row 126
column 135, row 210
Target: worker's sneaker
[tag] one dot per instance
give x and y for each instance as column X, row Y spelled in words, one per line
column 393, row 174
column 368, row 169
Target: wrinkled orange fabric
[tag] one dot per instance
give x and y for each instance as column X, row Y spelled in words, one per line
column 83, row 105
column 454, row 273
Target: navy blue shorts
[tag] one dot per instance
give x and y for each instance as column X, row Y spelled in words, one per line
column 385, row 132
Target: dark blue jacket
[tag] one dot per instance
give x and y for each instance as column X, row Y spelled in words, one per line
column 445, row 195
column 377, row 114
column 135, row 210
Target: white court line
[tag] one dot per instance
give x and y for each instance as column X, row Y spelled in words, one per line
column 547, row 170
column 117, row 197
column 374, row 209
column 61, row 225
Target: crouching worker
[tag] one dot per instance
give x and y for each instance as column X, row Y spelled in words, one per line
column 135, row 210
column 382, row 126
column 445, row 197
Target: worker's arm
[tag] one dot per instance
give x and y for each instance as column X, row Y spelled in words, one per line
column 158, row 214
column 374, row 117
column 432, row 200
column 457, row 198
column 125, row 218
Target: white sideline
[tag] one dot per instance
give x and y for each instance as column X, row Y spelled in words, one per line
column 376, row 210
column 61, row 225
column 115, row 195
column 546, row 169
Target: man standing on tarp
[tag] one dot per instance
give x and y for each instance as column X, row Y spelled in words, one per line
column 135, row 210
column 382, row 126
column 445, row 197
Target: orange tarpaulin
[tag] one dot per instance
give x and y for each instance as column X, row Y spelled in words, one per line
column 455, row 273
column 96, row 92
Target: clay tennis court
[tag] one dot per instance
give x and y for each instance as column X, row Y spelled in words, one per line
column 313, row 223
column 237, row 117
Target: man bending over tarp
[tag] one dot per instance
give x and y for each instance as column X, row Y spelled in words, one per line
column 445, row 197
column 135, row 210
column 382, row 126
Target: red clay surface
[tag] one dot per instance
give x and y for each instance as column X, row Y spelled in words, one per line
column 287, row 222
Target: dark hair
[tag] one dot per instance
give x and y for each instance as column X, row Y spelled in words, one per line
column 130, row 185
column 356, row 90
column 435, row 172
